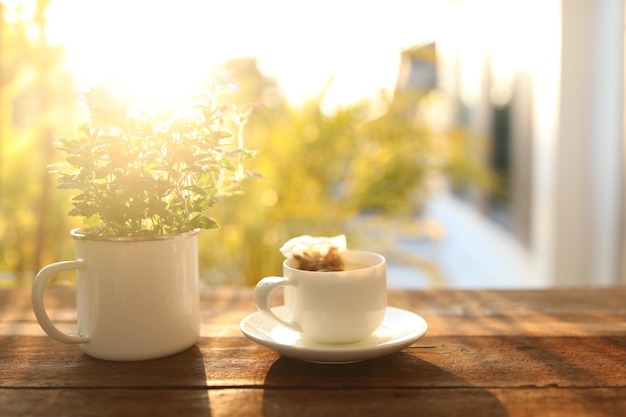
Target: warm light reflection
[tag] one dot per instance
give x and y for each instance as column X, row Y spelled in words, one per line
column 146, row 45
column 139, row 47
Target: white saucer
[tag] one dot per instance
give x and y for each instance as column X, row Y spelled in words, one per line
column 399, row 329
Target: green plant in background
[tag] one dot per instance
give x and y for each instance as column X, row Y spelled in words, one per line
column 151, row 173
column 35, row 105
column 321, row 171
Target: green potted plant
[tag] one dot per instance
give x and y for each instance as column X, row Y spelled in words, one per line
column 145, row 180
column 142, row 173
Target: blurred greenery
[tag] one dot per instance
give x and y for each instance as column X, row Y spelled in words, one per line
column 320, row 171
column 34, row 106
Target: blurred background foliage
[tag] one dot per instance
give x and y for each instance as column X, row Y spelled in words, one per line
column 35, row 105
column 321, row 172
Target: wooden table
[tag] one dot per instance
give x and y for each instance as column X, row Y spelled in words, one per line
column 487, row 353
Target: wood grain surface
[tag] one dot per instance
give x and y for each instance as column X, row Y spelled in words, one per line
column 487, row 353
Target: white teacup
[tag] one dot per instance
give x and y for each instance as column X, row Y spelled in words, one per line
column 331, row 307
column 137, row 298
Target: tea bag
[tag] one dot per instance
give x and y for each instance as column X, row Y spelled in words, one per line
column 316, row 253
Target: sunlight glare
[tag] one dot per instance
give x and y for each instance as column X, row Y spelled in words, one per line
column 165, row 46
column 150, row 57
column 497, row 39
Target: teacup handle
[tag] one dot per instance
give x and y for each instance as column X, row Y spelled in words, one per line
column 264, row 288
column 39, row 284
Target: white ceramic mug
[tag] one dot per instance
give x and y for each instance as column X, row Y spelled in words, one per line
column 333, row 307
column 137, row 298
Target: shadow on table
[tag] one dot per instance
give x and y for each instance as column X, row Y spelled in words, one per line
column 74, row 384
column 397, row 385
column 170, row 386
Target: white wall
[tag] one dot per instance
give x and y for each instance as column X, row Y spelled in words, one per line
column 589, row 151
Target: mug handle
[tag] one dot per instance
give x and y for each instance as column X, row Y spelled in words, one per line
column 39, row 285
column 264, row 288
